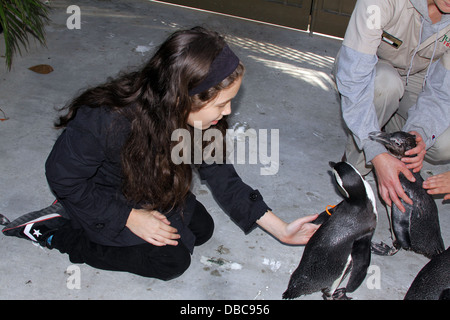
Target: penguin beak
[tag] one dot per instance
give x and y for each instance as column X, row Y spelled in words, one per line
column 381, row 137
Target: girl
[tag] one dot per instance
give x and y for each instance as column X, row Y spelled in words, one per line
column 122, row 203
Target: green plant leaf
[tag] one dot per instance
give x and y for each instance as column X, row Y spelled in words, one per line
column 21, row 19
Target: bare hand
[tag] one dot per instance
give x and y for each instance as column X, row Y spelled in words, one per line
column 439, row 184
column 153, row 227
column 416, row 163
column 300, row 230
column 387, row 169
column 296, row 232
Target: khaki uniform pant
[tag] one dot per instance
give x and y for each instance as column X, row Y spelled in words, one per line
column 392, row 99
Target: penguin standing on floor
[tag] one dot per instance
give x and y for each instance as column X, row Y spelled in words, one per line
column 418, row 228
column 433, row 281
column 341, row 245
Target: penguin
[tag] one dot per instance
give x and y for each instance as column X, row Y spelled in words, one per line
column 433, row 281
column 418, row 228
column 341, row 245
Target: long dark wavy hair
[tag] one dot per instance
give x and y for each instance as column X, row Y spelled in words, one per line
column 155, row 100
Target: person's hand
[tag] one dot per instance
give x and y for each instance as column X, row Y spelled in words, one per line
column 438, row 184
column 300, row 230
column 153, row 227
column 297, row 232
column 415, row 163
column 387, row 169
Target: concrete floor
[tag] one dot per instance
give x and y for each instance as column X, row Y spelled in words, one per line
column 287, row 87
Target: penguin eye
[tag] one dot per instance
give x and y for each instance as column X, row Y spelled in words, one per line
column 397, row 143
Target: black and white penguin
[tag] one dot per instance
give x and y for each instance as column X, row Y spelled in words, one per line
column 341, row 245
column 433, row 281
column 418, row 228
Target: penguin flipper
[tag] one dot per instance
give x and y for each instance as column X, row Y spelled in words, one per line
column 401, row 225
column 361, row 261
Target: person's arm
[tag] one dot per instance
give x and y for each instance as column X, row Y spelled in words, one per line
column 430, row 116
column 242, row 203
column 70, row 169
column 247, row 208
column 355, row 75
column 355, row 81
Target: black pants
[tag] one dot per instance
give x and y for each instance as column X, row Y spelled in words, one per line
column 165, row 263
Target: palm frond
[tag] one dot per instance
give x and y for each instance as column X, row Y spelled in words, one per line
column 21, row 19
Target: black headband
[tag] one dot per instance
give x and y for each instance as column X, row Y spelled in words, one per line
column 222, row 66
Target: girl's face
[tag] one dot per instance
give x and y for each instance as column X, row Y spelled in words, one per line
column 214, row 110
column 443, row 5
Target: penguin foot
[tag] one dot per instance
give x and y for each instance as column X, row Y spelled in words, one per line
column 382, row 249
column 4, row 220
column 338, row 294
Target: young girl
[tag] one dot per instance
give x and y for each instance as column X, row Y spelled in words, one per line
column 122, row 203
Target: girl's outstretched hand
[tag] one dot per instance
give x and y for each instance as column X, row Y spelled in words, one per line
column 301, row 230
column 297, row 232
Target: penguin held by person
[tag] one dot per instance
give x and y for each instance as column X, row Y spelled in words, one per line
column 341, row 245
column 417, row 228
column 433, row 281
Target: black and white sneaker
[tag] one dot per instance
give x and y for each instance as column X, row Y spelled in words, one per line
column 3, row 220
column 37, row 226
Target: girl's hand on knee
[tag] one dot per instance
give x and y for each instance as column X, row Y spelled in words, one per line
column 153, row 227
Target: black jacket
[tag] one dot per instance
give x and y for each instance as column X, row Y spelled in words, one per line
column 84, row 171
